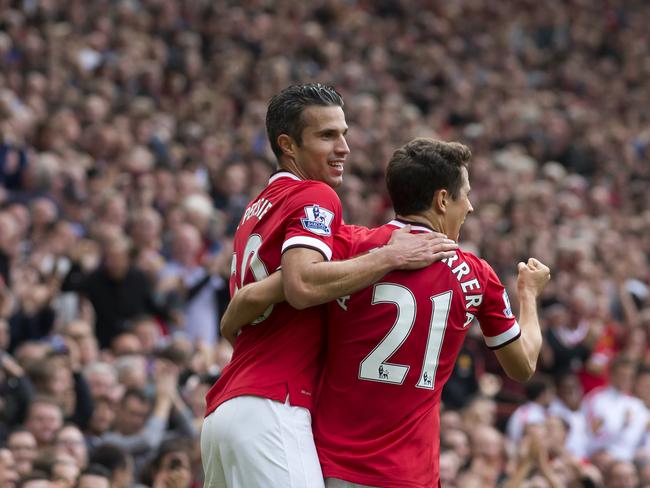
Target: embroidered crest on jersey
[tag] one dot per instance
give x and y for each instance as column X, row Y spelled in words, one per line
column 318, row 220
column 508, row 310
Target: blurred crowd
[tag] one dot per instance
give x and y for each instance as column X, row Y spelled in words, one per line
column 132, row 137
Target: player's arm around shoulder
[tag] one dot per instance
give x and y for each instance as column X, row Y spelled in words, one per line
column 519, row 358
column 249, row 303
column 309, row 280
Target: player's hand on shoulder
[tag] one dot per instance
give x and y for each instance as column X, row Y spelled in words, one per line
column 415, row 251
column 533, row 276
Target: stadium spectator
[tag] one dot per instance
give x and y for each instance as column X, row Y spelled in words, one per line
column 94, row 476
column 195, row 285
column 22, row 444
column 567, row 405
column 102, row 380
column 117, row 462
column 616, row 421
column 70, row 440
column 172, row 465
column 44, row 419
column 117, row 290
column 64, row 472
column 8, row 472
column 539, row 393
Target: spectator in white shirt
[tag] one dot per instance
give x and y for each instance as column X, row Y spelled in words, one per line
column 567, row 406
column 539, row 393
column 616, row 420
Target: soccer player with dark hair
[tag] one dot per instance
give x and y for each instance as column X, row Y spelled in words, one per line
column 257, row 430
column 392, row 346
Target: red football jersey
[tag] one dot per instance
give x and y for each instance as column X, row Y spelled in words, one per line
column 281, row 353
column 391, row 348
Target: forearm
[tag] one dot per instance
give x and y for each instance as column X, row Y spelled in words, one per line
column 531, row 334
column 322, row 282
column 184, row 419
column 630, row 311
column 519, row 358
column 162, row 407
column 84, row 404
column 520, row 474
column 147, row 439
column 249, row 303
column 550, row 477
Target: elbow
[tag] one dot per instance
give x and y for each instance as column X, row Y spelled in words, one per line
column 522, row 373
column 300, row 296
column 300, row 301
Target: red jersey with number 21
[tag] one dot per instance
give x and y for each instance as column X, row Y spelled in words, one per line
column 281, row 355
column 391, row 347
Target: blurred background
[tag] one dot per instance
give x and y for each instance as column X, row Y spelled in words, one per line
column 132, row 138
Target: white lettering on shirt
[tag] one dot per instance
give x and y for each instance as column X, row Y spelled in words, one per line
column 343, row 302
column 258, row 209
column 461, row 270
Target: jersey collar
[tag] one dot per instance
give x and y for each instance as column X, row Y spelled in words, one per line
column 282, row 173
column 414, row 225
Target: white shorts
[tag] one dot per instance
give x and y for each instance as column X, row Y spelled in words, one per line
column 254, row 442
column 337, row 483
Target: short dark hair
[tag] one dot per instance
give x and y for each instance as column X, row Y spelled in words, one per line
column 34, row 475
column 536, row 387
column 285, row 110
column 43, row 400
column 642, row 370
column 420, row 168
column 18, row 429
column 96, row 470
column 66, row 425
column 168, row 446
column 110, row 456
column 621, row 361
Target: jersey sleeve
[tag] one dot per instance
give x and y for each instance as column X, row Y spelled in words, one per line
column 313, row 217
column 495, row 316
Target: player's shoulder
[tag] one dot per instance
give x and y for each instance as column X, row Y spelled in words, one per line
column 479, row 265
column 372, row 238
column 312, row 192
column 284, row 180
column 347, row 240
column 318, row 186
column 352, row 232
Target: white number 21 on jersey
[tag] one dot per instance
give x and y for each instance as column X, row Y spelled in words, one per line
column 375, row 367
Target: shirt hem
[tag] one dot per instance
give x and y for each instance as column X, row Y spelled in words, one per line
column 278, row 397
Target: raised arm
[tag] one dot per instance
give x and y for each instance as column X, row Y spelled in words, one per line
column 519, row 358
column 249, row 303
column 308, row 280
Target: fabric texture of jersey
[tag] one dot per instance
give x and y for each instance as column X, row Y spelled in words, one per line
column 391, row 348
column 280, row 355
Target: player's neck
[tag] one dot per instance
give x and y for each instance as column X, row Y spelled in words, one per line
column 293, row 168
column 423, row 219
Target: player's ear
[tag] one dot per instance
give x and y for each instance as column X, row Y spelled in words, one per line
column 440, row 201
column 286, row 144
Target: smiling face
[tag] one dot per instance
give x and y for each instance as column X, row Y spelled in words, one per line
column 458, row 208
column 322, row 152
